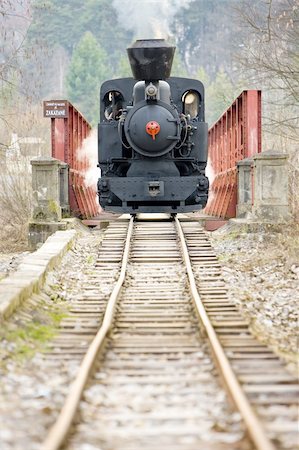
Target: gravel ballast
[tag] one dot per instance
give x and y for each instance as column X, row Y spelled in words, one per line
column 261, row 269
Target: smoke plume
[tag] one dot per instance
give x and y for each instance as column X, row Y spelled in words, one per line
column 148, row 19
column 88, row 154
column 210, row 173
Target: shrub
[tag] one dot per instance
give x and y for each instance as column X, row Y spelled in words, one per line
column 15, row 204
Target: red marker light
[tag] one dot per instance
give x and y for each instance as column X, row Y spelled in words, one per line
column 152, row 128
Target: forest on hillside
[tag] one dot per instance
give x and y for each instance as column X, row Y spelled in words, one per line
column 50, row 48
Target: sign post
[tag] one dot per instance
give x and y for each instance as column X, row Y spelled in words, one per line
column 56, row 109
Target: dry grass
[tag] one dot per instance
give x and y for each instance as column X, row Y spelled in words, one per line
column 294, row 191
column 15, row 205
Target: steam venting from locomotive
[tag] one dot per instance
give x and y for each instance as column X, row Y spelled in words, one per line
column 153, row 19
column 152, row 136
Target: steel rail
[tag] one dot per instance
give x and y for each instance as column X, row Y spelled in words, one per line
column 59, row 431
column 254, row 428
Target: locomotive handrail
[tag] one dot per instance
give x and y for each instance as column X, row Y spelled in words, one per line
column 60, row 429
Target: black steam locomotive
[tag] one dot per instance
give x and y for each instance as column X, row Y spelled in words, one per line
column 152, row 137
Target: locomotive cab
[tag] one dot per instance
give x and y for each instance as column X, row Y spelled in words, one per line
column 152, row 137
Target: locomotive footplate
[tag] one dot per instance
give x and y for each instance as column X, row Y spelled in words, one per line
column 166, row 194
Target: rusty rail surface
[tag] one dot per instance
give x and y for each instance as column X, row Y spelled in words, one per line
column 235, row 136
column 60, row 429
column 68, row 130
column 254, row 427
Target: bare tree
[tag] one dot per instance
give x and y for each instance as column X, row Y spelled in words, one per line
column 270, row 57
column 15, row 205
column 14, row 23
column 21, row 122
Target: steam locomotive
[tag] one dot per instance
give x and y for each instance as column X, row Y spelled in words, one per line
column 152, row 137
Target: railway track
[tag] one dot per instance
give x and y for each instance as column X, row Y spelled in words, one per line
column 147, row 379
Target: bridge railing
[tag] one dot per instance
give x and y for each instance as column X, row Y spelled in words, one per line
column 68, row 130
column 235, row 136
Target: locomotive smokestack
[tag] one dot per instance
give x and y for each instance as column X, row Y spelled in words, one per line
column 151, row 59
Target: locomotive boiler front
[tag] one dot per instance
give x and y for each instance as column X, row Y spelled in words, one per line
column 152, row 127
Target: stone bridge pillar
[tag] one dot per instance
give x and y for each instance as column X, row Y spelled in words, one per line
column 50, row 195
column 271, row 186
column 263, row 187
column 245, row 187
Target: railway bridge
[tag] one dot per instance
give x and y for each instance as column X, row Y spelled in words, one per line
column 244, row 181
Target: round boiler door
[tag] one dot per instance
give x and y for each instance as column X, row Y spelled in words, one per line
column 151, row 144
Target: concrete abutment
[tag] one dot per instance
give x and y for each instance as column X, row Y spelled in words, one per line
column 263, row 187
column 51, row 199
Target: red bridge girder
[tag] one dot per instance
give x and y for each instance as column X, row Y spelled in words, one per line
column 68, row 130
column 235, row 136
